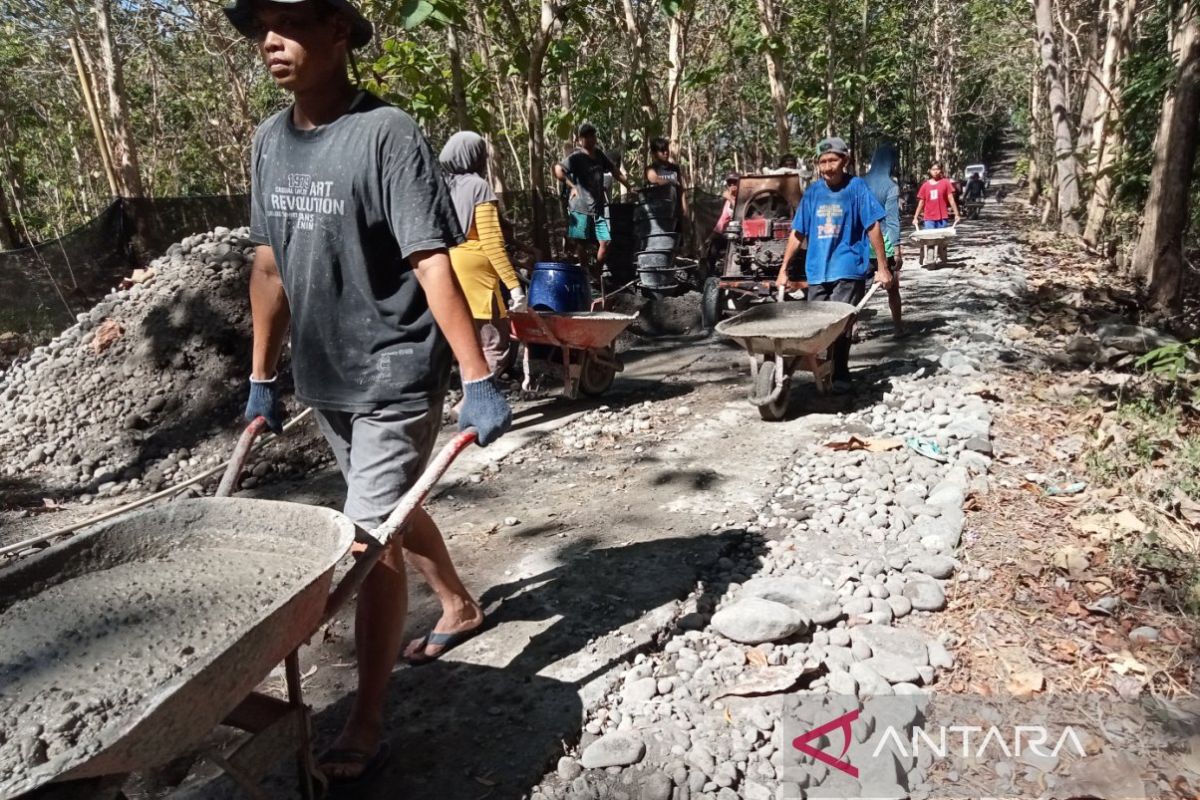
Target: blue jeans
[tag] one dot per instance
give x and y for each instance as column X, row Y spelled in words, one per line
column 931, row 224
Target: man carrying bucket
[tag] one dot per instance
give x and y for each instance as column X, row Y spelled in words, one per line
column 839, row 221
column 352, row 223
column 583, row 173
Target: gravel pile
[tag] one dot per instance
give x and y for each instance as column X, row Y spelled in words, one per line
column 130, row 397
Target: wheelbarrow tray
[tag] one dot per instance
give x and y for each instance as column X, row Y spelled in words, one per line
column 121, row 648
column 582, row 330
column 789, row 329
column 926, row 235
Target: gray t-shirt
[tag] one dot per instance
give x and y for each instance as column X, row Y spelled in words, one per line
column 343, row 206
column 587, row 173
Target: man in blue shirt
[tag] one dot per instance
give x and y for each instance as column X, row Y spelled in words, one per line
column 838, row 220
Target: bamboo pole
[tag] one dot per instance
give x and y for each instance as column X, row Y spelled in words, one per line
column 93, row 114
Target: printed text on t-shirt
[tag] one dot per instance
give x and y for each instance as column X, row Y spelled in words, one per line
column 829, row 228
column 303, row 199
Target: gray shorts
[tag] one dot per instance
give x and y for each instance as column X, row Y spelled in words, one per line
column 381, row 454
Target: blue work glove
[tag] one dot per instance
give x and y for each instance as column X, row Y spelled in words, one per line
column 264, row 402
column 485, row 409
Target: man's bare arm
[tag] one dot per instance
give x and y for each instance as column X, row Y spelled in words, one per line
column 789, row 252
column 269, row 311
column 450, row 311
column 883, row 275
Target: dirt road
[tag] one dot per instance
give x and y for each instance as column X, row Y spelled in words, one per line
column 620, row 508
column 587, row 528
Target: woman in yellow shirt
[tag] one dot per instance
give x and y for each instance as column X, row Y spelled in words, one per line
column 481, row 262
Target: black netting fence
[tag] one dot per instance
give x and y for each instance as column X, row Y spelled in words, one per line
column 43, row 287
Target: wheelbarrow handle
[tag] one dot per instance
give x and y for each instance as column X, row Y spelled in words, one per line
column 238, row 459
column 867, row 297
column 377, row 540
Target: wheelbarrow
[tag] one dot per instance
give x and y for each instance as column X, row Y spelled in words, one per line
column 781, row 337
column 584, row 345
column 933, row 241
column 124, row 647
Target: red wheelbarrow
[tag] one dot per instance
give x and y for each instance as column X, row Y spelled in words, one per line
column 583, row 341
column 124, row 647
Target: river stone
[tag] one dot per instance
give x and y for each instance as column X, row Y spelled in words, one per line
column 934, row 566
column 870, row 682
column 894, row 670
column 656, row 786
column 888, row 642
column 568, row 768
column 948, row 494
column 618, row 749
column 1132, row 338
column 900, row 605
column 925, row 594
column 754, row 620
column 817, row 603
column 637, row 692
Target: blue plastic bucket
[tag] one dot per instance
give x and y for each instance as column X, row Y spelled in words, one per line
column 559, row 286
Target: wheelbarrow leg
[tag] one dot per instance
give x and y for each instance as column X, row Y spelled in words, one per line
column 822, row 370
column 306, row 766
column 571, row 371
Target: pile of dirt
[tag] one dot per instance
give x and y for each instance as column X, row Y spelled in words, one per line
column 139, row 390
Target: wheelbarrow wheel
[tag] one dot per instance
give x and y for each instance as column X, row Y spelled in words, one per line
column 596, row 375
column 710, row 304
column 764, row 384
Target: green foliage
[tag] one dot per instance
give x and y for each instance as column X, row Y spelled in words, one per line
column 1173, row 360
column 1147, row 72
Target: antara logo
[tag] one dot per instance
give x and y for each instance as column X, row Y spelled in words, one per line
column 843, row 723
column 973, row 741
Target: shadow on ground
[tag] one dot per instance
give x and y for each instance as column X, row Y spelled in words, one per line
column 464, row 731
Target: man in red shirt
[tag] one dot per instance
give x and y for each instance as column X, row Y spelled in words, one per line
column 936, row 199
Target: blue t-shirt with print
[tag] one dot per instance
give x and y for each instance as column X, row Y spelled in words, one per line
column 835, row 222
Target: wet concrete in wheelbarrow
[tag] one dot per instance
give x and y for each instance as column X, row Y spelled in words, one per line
column 100, row 633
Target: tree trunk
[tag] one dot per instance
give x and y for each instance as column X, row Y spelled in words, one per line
column 676, row 44
column 1035, row 139
column 1065, row 172
column 89, row 102
column 830, row 67
column 9, row 240
column 1158, row 258
column 458, row 92
column 536, row 121
column 124, row 149
column 633, row 26
column 1090, row 109
column 940, row 98
column 1106, row 134
column 773, row 45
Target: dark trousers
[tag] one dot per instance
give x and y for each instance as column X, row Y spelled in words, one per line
column 846, row 291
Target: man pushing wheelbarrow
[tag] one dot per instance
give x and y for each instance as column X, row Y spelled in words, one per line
column 352, row 223
column 838, row 221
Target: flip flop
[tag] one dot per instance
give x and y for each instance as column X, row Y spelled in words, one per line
column 928, row 448
column 372, row 765
column 446, row 641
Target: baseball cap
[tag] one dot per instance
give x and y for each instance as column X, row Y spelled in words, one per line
column 586, row 129
column 833, row 144
column 732, row 177
column 241, row 17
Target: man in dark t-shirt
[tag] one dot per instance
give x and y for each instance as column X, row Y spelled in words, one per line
column 352, row 221
column 583, row 173
column 662, row 171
